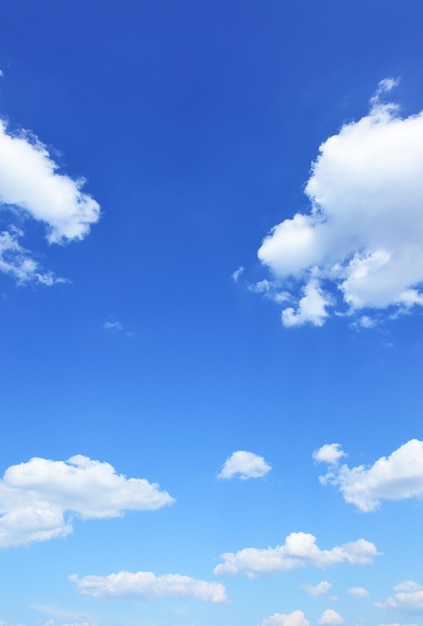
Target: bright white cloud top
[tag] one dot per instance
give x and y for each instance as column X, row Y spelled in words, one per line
column 331, row 617
column 408, row 598
column 31, row 185
column 363, row 238
column 35, row 497
column 318, row 590
column 396, row 477
column 299, row 550
column 329, row 453
column 244, row 465
column 296, row 618
column 147, row 585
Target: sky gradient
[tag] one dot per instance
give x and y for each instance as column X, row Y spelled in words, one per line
column 211, row 277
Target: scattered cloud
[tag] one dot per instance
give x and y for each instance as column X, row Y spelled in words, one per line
column 360, row 247
column 329, row 453
column 244, row 465
column 317, row 590
column 31, row 188
column 395, row 477
column 331, row 617
column 408, row 598
column 296, row 618
column 118, row 326
column 237, row 274
column 35, row 497
column 299, row 550
column 358, row 592
column 147, row 585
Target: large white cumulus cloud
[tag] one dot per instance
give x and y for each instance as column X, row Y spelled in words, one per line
column 31, row 186
column 362, row 241
column 35, row 497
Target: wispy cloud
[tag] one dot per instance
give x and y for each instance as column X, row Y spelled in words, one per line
column 362, row 241
column 147, row 585
column 296, row 618
column 331, row 618
column 244, row 465
column 299, row 550
column 35, row 496
column 317, row 590
column 395, row 477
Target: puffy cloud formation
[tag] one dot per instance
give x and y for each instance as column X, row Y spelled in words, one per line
column 146, row 585
column 317, row 590
column 299, row 550
column 35, row 496
column 296, row 618
column 31, row 186
column 395, row 477
column 329, row 453
column 408, row 598
column 244, row 465
column 362, row 241
column 358, row 592
column 331, row 617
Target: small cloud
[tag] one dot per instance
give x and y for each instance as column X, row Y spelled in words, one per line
column 311, row 307
column 237, row 273
column 408, row 598
column 331, row 617
column 396, row 477
column 296, row 618
column 358, row 592
column 299, row 550
column 244, row 465
column 329, row 453
column 113, row 326
column 147, row 585
column 317, row 590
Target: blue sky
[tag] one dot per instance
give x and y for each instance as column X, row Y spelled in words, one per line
column 210, row 301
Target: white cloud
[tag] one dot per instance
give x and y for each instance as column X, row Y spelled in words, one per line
column 358, row 592
column 32, row 188
column 317, row 590
column 296, row 618
column 331, row 617
column 299, row 550
column 244, row 465
column 237, row 274
column 363, row 236
column 311, row 307
column 113, row 326
column 395, row 477
column 329, row 453
column 18, row 262
column 148, row 585
column 35, row 497
column 408, row 598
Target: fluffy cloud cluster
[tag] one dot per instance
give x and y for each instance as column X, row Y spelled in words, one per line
column 35, row 496
column 31, row 187
column 408, row 598
column 244, row 465
column 317, row 590
column 299, row 550
column 395, row 477
column 296, row 618
column 147, row 585
column 362, row 241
